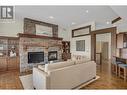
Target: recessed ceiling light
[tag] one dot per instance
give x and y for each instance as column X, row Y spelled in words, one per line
column 87, row 11
column 51, row 17
column 107, row 22
column 73, row 23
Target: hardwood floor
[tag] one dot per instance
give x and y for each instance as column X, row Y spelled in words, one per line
column 107, row 80
column 10, row 80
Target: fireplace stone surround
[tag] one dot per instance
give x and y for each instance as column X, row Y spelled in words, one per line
column 35, row 43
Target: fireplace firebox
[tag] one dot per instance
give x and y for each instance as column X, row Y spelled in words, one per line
column 35, row 57
column 52, row 55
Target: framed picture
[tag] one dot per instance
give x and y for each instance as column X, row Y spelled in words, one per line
column 80, row 45
column 83, row 31
column 43, row 30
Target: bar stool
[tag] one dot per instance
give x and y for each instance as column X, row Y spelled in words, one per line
column 115, row 67
column 122, row 69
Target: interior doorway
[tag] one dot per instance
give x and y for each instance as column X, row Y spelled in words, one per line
column 112, row 31
column 103, row 48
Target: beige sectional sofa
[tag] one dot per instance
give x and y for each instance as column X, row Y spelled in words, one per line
column 63, row 75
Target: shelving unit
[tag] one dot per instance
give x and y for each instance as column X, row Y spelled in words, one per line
column 9, row 53
column 66, row 50
column 3, row 47
column 13, row 45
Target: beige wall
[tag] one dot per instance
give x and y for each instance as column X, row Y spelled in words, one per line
column 87, row 51
column 98, row 47
column 13, row 28
column 64, row 33
column 87, row 39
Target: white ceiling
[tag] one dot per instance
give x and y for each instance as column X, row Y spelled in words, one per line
column 65, row 15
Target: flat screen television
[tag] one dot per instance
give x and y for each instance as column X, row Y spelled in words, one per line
column 35, row 57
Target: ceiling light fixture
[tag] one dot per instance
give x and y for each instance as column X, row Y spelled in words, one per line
column 107, row 22
column 51, row 17
column 87, row 11
column 73, row 23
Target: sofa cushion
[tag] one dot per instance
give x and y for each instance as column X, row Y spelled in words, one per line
column 82, row 61
column 49, row 67
column 41, row 67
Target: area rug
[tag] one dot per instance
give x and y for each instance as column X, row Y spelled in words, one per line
column 27, row 82
column 87, row 83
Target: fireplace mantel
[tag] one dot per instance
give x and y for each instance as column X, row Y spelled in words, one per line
column 38, row 36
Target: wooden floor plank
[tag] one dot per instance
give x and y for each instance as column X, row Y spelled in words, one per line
column 107, row 80
column 10, row 80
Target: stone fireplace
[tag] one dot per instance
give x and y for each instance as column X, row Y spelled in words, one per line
column 52, row 47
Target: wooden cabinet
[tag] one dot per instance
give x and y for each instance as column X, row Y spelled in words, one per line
column 121, row 51
column 9, row 63
column 122, row 40
column 66, row 50
column 13, row 63
column 9, row 53
column 3, row 63
column 7, row 45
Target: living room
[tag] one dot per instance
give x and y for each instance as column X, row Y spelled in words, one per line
column 54, row 50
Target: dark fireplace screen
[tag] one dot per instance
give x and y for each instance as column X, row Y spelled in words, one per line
column 52, row 55
column 35, row 57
